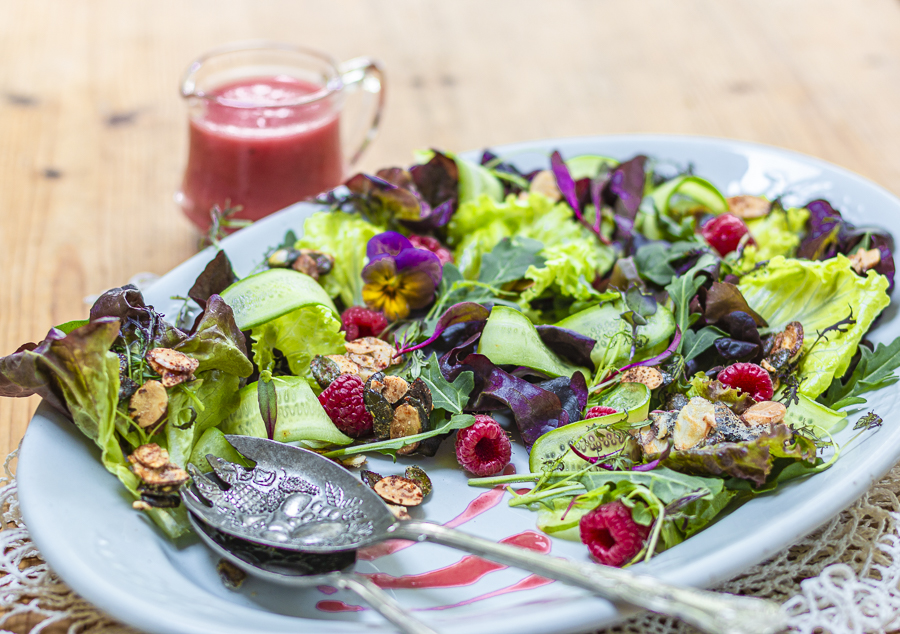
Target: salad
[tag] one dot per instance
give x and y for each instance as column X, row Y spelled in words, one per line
column 662, row 351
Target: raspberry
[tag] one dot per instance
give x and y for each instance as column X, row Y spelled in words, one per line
column 599, row 410
column 431, row 244
column 748, row 378
column 483, row 448
column 343, row 402
column 611, row 535
column 362, row 322
column 724, row 233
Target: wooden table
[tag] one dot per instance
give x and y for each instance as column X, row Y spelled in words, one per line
column 93, row 132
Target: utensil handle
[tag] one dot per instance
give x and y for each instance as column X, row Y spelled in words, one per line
column 709, row 611
column 382, row 602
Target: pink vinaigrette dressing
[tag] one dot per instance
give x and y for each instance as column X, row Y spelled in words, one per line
column 250, row 146
column 464, row 572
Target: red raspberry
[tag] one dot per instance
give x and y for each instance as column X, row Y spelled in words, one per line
column 748, row 378
column 724, row 233
column 343, row 402
column 611, row 535
column 483, row 448
column 362, row 322
column 599, row 410
column 431, row 244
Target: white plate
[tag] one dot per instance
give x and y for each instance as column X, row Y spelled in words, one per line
column 82, row 523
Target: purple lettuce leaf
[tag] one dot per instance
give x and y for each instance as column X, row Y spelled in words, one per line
column 565, row 184
column 825, row 225
column 536, row 410
column 885, row 246
column 215, row 278
column 626, row 187
column 456, row 314
column 437, row 181
column 571, row 392
column 568, row 344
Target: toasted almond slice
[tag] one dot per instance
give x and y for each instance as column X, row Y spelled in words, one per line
column 399, row 490
column 395, row 388
column 651, row 377
column 764, row 413
column 544, row 182
column 694, row 422
column 345, row 365
column 748, row 207
column 151, row 456
column 864, row 260
column 399, row 512
column 172, row 360
column 148, row 404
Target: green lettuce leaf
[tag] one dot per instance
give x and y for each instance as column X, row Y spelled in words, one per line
column 479, row 224
column 300, row 335
column 776, row 234
column 568, row 270
column 345, row 237
column 749, row 460
column 874, row 371
column 817, row 294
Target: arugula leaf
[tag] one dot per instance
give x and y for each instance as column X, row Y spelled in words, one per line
column 451, row 397
column 682, row 291
column 874, row 371
column 390, row 447
column 509, row 260
column 666, row 484
column 698, row 342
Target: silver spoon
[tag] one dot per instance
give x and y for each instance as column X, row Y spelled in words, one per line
column 294, row 499
column 301, row 570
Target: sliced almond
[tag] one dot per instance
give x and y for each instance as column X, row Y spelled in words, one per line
column 380, row 351
column 168, row 359
column 399, row 512
column 694, row 422
column 748, row 207
column 354, row 462
column 544, row 182
column 345, row 365
column 307, row 265
column 651, row 377
column 764, row 413
column 395, row 388
column 151, row 456
column 148, row 404
column 864, row 260
column 140, row 505
column 399, row 490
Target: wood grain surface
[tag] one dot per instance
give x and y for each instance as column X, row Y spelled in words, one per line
column 93, row 132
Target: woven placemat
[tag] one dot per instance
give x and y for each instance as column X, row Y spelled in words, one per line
column 842, row 579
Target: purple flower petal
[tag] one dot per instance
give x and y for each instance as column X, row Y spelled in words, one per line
column 379, row 270
column 418, row 259
column 389, row 242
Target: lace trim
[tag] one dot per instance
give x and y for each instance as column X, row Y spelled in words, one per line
column 844, row 578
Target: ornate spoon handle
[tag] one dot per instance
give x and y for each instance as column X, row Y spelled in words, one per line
column 709, row 611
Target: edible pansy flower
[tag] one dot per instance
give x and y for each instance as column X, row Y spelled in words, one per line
column 399, row 277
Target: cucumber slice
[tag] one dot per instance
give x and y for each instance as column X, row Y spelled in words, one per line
column 300, row 416
column 213, row 442
column 475, row 180
column 633, row 398
column 695, row 188
column 604, row 324
column 808, row 412
column 588, row 165
column 592, row 436
column 265, row 296
column 509, row 338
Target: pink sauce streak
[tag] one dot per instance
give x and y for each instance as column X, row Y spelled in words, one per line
column 529, row 582
column 464, row 572
column 338, row 606
column 326, row 589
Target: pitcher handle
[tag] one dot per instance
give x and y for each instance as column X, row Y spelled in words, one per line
column 366, row 74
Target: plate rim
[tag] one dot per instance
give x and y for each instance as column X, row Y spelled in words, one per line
column 741, row 560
